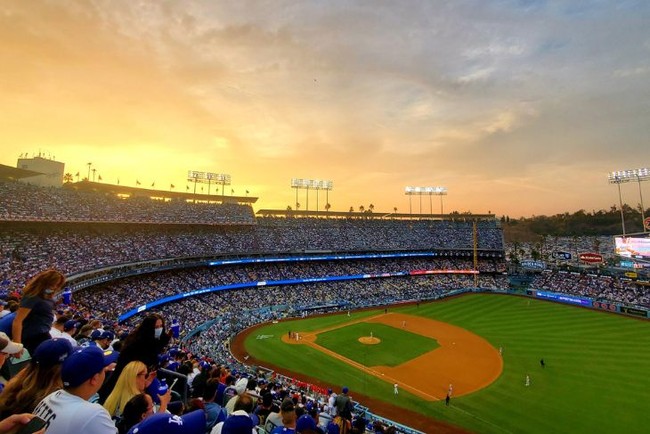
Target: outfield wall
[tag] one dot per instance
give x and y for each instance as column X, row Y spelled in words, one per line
column 576, row 300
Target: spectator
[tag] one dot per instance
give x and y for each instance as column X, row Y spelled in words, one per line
column 68, row 410
column 165, row 423
column 133, row 380
column 135, row 411
column 36, row 313
column 145, row 343
column 38, row 379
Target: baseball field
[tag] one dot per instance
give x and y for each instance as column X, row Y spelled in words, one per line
column 595, row 376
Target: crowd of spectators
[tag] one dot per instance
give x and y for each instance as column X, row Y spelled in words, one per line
column 192, row 230
column 598, row 287
column 25, row 202
column 27, row 249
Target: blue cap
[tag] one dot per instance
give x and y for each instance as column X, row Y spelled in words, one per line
column 305, row 422
column 345, row 389
column 69, row 325
column 52, row 352
column 189, row 423
column 96, row 334
column 238, row 424
column 82, row 364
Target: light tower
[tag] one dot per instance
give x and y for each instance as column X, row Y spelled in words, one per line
column 623, row 176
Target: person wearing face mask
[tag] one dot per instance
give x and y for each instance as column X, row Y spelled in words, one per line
column 145, row 344
column 35, row 315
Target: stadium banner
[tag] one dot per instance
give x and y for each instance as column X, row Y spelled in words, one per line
column 323, row 258
column 634, row 311
column 561, row 255
column 591, row 258
column 612, row 307
column 423, row 272
column 531, row 264
column 564, row 298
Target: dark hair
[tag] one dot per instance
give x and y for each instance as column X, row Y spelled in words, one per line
column 132, row 413
column 210, row 390
column 145, row 331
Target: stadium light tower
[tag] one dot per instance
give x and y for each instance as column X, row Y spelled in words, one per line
column 622, row 176
column 425, row 191
column 208, row 178
column 313, row 184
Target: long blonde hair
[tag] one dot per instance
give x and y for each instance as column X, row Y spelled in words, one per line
column 48, row 279
column 24, row 391
column 125, row 388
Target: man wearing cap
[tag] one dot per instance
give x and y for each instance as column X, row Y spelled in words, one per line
column 241, row 386
column 240, row 421
column 344, row 404
column 165, row 423
column 331, row 403
column 68, row 410
column 70, row 329
column 288, row 414
column 101, row 339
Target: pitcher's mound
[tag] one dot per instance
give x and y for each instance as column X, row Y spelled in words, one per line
column 369, row 341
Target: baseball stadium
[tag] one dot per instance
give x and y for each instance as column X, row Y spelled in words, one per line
column 422, row 319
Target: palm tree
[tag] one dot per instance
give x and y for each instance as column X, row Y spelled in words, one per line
column 67, row 178
column 371, row 208
column 327, row 206
column 362, row 208
column 395, row 210
column 351, row 209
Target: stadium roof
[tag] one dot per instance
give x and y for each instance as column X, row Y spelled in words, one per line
column 135, row 191
column 13, row 173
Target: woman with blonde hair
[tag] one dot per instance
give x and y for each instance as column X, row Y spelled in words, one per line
column 133, row 380
column 38, row 379
column 35, row 315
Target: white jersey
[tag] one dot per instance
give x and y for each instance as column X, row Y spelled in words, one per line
column 65, row 413
column 331, row 403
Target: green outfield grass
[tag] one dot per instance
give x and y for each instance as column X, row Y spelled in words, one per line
column 396, row 346
column 596, row 378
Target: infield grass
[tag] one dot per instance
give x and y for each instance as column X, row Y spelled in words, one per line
column 396, row 346
column 596, row 378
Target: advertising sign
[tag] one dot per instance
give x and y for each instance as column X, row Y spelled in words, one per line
column 560, row 255
column 591, row 258
column 531, row 264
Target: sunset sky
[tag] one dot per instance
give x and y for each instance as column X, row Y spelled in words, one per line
column 518, row 107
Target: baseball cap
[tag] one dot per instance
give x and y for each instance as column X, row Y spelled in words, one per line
column 190, row 423
column 69, row 325
column 305, row 422
column 7, row 346
column 96, row 334
column 345, row 389
column 240, row 385
column 82, row 364
column 237, row 424
column 52, row 352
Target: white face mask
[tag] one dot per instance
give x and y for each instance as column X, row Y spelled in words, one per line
column 158, row 332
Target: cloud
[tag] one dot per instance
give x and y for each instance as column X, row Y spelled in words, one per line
column 368, row 94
